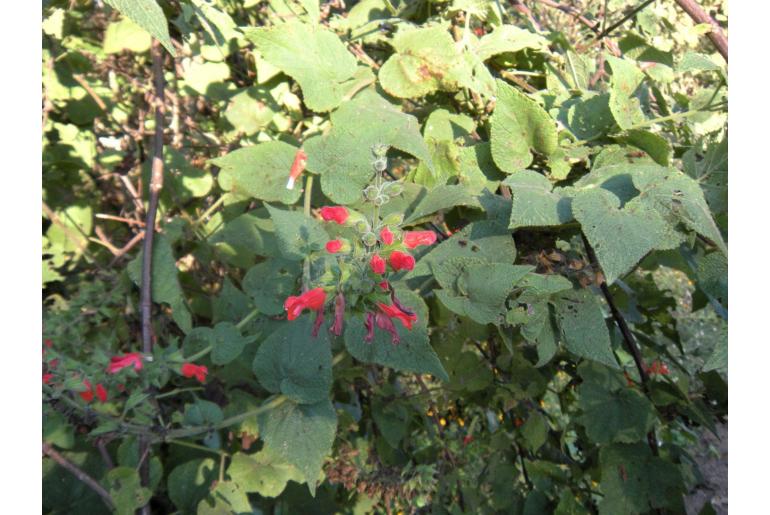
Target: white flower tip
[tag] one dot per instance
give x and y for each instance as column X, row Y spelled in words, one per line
column 290, row 184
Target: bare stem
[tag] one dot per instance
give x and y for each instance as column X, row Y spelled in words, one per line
column 78, row 473
column 698, row 15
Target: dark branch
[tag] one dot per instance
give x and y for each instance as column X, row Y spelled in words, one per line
column 624, row 19
column 78, row 473
column 698, row 15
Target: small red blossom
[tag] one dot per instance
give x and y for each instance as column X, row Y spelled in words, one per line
column 101, row 393
column 369, row 325
column 377, row 264
column 406, row 318
column 297, row 167
column 333, row 246
column 47, row 378
column 197, row 371
column 338, row 214
column 518, row 422
column 385, row 285
column 386, row 236
column 312, row 299
column 118, row 363
column 384, row 322
column 48, row 342
column 401, row 261
column 414, row 239
column 467, row 439
column 53, row 364
column 658, row 367
column 317, row 323
column 87, row 395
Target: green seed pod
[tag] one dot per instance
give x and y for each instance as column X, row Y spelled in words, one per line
column 362, row 226
column 393, row 219
column 369, row 239
column 381, row 200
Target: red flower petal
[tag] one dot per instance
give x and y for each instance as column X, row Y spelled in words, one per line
column 297, row 167
column 313, row 299
column 87, row 395
column 377, row 264
column 394, row 312
column 47, row 378
column 386, row 236
column 118, row 363
column 101, row 393
column 193, row 370
column 333, row 246
column 337, row 214
column 414, row 239
column 401, row 261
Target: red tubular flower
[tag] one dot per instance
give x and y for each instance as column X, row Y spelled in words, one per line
column 338, row 214
column 339, row 315
column 317, row 323
column 87, row 395
column 658, row 367
column 467, row 439
column 333, row 246
column 401, row 261
column 297, row 167
column 197, row 371
column 385, row 285
column 384, row 322
column 377, row 264
column 313, row 299
column 386, row 236
column 101, row 393
column 47, row 378
column 414, row 239
column 406, row 317
column 118, row 363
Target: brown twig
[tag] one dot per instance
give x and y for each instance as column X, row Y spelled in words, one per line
column 78, row 473
column 624, row 19
column 698, row 15
column 128, row 246
column 86, row 86
column 128, row 221
column 156, row 184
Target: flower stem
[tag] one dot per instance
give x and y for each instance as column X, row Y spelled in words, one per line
column 210, row 210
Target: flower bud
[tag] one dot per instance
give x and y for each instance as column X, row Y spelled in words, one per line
column 362, row 226
column 381, row 200
column 371, row 192
column 380, row 164
column 369, row 239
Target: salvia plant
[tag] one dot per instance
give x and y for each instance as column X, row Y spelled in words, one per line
column 383, row 256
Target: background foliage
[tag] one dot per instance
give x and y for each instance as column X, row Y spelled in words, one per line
column 579, row 192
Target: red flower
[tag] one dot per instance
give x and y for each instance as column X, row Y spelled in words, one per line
column 300, row 159
column 414, row 239
column 386, row 236
column 48, row 342
column 401, row 261
column 377, row 264
column 337, row 214
column 47, row 378
column 385, row 285
column 313, row 299
column 369, row 325
column 333, row 246
column 197, row 371
column 658, row 367
column 101, row 393
column 406, row 318
column 467, row 439
column 384, row 322
column 118, row 363
column 87, row 395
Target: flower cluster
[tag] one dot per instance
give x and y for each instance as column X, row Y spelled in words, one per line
column 374, row 246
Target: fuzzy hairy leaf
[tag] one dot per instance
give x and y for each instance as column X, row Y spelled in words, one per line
column 581, row 322
column 148, row 15
column 535, row 204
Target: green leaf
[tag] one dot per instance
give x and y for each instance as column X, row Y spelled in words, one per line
column 693, row 61
column 392, row 419
column 264, row 473
column 297, row 234
column 246, row 236
column 624, row 84
column 208, row 78
column 718, row 358
column 269, row 296
column 620, row 237
column 56, row 430
column 709, row 168
column 426, row 60
column 438, row 198
column 535, row 204
column 481, row 288
column 227, row 343
column 588, row 117
column 202, row 413
column 677, row 196
column 509, row 39
column 259, row 171
column 292, row 362
column 611, row 410
column 712, row 276
column 165, row 284
column 412, row 354
column 125, row 35
column 226, row 498
column 519, row 124
column 251, row 110
column 442, row 125
column 189, row 482
column 313, row 56
column 535, row 431
column 148, row 15
column 125, row 488
column 581, row 322
column 656, row 146
column 343, row 157
column 633, row 481
column 301, row 435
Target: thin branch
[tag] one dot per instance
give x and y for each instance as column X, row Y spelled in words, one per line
column 567, row 9
column 698, row 15
column 628, row 337
column 128, row 246
column 624, row 19
column 78, row 473
column 128, row 221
